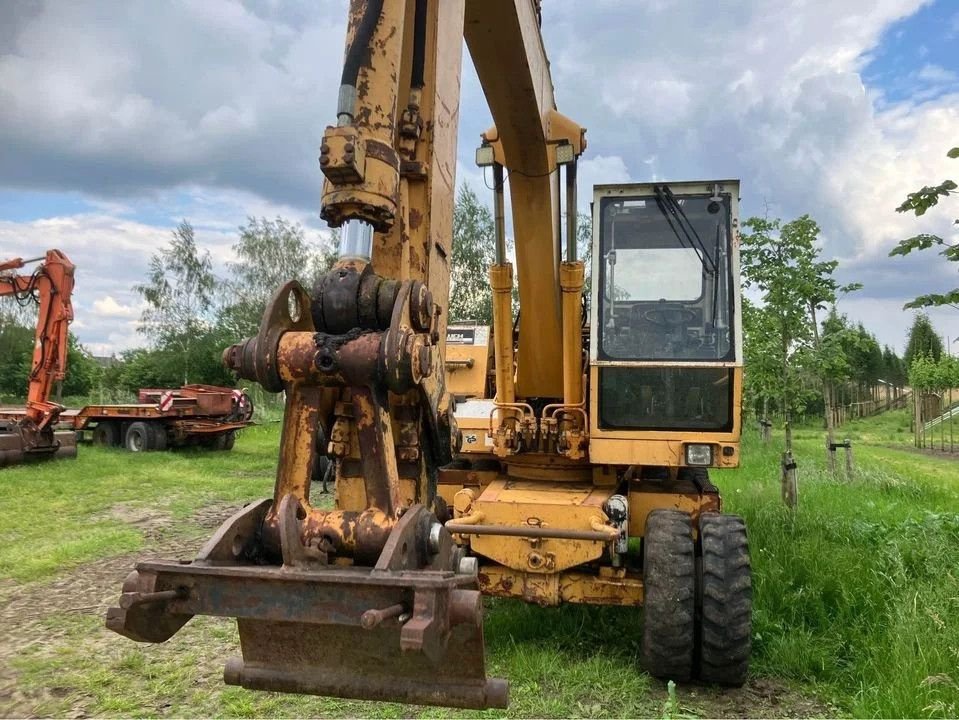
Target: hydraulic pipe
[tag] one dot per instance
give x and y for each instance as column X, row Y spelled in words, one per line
column 571, row 278
column 501, row 281
column 571, row 212
column 346, row 102
column 606, row 535
column 499, row 213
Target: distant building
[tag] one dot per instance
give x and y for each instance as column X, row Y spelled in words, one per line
column 106, row 361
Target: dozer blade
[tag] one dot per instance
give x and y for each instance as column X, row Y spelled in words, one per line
column 383, row 633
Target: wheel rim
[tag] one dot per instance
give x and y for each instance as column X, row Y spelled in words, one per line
column 136, row 442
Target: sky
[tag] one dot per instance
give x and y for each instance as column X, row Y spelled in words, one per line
column 120, row 119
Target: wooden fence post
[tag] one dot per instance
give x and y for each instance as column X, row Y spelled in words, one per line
column 790, row 483
column 849, row 465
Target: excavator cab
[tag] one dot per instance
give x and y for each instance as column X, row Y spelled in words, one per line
column 665, row 352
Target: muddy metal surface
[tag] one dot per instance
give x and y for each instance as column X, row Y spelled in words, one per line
column 26, row 612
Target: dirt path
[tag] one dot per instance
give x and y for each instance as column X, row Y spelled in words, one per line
column 87, row 590
column 32, row 621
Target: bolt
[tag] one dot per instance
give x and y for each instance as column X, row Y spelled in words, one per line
column 436, row 534
column 324, row 160
column 468, row 566
column 425, row 359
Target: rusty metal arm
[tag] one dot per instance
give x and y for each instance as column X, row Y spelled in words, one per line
column 52, row 286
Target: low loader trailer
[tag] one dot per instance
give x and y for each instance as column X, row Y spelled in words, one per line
column 204, row 415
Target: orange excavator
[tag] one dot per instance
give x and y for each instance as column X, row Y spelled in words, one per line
column 30, row 432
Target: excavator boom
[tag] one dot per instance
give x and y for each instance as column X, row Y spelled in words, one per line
column 31, row 433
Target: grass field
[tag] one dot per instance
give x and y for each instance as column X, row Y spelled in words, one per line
column 856, row 595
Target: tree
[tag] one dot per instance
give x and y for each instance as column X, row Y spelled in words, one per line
column 268, row 254
column 473, row 253
column 762, row 373
column 83, row 372
column 893, row 369
column 923, row 341
column 179, row 292
column 17, row 343
column 839, row 343
column 783, row 262
column 919, row 202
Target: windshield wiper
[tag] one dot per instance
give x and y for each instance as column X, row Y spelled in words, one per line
column 668, row 205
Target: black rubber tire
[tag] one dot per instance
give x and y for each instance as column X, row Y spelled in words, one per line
column 669, row 577
column 726, row 592
column 138, row 437
column 229, row 440
column 219, row 442
column 158, row 436
column 106, row 434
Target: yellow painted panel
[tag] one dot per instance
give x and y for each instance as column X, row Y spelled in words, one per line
column 568, row 506
column 623, row 589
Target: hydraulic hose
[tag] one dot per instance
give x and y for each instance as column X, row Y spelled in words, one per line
column 417, row 78
column 354, row 58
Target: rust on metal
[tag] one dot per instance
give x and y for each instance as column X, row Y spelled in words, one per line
column 463, row 528
column 408, row 629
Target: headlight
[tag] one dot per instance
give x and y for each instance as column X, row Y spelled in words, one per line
column 699, row 454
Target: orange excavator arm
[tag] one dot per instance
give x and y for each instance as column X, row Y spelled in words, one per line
column 50, row 285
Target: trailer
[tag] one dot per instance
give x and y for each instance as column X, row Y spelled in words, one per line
column 204, row 415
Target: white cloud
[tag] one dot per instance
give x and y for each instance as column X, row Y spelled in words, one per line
column 107, row 307
column 937, row 74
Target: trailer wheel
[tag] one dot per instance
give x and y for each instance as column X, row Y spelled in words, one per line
column 725, row 631
column 221, row 441
column 158, row 436
column 138, row 437
column 106, row 434
column 669, row 577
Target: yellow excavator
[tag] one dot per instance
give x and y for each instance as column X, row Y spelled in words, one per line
column 563, row 457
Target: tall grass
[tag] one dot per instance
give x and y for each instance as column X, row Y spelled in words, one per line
column 857, row 592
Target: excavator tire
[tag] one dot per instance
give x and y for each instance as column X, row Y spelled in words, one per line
column 138, row 437
column 725, row 629
column 106, row 434
column 669, row 577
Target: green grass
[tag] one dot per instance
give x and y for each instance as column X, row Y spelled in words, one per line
column 893, row 427
column 61, row 513
column 858, row 591
column 856, row 594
